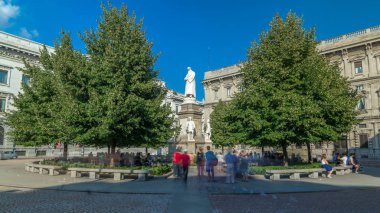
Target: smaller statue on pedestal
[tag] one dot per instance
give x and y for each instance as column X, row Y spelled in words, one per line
column 208, row 130
column 190, row 129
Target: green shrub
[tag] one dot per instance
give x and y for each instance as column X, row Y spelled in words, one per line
column 261, row 169
column 155, row 170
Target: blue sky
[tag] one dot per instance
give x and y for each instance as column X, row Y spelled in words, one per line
column 203, row 34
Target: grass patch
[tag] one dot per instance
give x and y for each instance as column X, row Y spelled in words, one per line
column 261, row 169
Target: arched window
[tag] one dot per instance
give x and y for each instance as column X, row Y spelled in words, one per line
column 1, row 135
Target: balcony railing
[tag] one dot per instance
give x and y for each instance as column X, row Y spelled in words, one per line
column 350, row 35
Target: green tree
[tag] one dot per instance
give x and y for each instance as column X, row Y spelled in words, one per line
column 49, row 109
column 292, row 94
column 225, row 125
column 125, row 104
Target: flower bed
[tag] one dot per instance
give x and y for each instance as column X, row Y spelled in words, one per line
column 261, row 169
column 154, row 170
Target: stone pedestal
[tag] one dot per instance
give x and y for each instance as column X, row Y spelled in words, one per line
column 190, row 109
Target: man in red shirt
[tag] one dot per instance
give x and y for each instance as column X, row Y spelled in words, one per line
column 185, row 159
column 177, row 163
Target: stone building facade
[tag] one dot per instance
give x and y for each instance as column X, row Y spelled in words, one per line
column 358, row 56
column 13, row 50
column 220, row 85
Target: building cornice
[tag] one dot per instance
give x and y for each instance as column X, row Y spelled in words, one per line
column 353, row 80
column 19, row 44
column 350, row 40
column 209, row 80
column 16, row 57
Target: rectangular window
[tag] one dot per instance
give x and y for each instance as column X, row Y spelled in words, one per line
column 3, row 101
column 228, row 91
column 25, row 79
column 341, row 143
column 362, row 125
column 3, row 76
column 363, row 138
column 358, row 67
column 359, row 87
column 361, row 104
column 215, row 94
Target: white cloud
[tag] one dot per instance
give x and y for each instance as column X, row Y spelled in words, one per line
column 28, row 34
column 7, row 11
column 35, row 33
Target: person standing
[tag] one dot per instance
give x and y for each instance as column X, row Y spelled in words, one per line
column 220, row 158
column 185, row 161
column 177, row 163
column 200, row 162
column 243, row 166
column 210, row 158
column 230, row 160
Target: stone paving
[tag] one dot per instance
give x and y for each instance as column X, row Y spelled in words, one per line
column 40, row 193
column 25, row 200
column 343, row 201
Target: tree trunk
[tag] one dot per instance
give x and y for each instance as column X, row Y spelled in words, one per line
column 285, row 152
column 113, row 155
column 309, row 160
column 65, row 148
column 146, row 150
column 113, row 147
column 109, row 148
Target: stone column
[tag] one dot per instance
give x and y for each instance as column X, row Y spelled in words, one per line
column 346, row 64
column 370, row 60
column 375, row 141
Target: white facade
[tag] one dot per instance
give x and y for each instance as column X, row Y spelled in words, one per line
column 13, row 50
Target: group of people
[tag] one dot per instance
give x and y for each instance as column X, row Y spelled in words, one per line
column 207, row 161
column 121, row 159
column 339, row 160
column 347, row 160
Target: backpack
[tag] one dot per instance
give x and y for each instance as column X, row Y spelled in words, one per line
column 200, row 157
column 214, row 161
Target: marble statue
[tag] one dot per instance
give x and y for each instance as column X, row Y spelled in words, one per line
column 208, row 129
column 190, row 128
column 190, row 83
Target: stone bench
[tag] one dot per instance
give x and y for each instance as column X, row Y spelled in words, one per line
column 342, row 170
column 77, row 172
column 118, row 174
column 142, row 175
column 294, row 173
column 51, row 170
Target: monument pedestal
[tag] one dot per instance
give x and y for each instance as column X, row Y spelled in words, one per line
column 190, row 110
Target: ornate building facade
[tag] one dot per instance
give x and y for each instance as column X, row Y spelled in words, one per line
column 13, row 50
column 358, row 56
